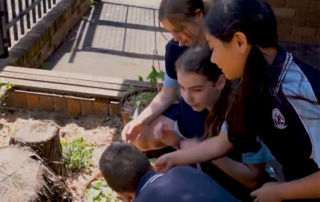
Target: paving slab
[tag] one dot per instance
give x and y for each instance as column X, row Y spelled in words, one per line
column 123, row 38
column 116, row 38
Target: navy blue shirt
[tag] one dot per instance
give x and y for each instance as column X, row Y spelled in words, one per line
column 173, row 52
column 289, row 124
column 191, row 123
column 180, row 184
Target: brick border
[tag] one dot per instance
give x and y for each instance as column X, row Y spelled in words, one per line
column 71, row 105
column 46, row 36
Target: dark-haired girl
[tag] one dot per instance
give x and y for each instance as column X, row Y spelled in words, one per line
column 168, row 118
column 203, row 86
column 278, row 100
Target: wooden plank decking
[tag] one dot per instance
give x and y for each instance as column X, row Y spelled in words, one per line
column 68, row 83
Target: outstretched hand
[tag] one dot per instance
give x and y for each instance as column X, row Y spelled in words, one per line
column 267, row 193
column 131, row 130
column 165, row 162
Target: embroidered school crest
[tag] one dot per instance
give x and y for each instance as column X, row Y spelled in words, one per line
column 278, row 119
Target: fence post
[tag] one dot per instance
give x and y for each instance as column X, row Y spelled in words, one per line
column 4, row 40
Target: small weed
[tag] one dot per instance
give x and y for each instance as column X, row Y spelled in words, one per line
column 154, row 77
column 144, row 98
column 141, row 99
column 4, row 87
column 100, row 192
column 94, row 2
column 77, row 153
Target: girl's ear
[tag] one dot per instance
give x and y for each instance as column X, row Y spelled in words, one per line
column 199, row 14
column 221, row 82
column 240, row 41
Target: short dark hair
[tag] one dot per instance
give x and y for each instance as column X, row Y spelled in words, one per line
column 123, row 166
column 179, row 10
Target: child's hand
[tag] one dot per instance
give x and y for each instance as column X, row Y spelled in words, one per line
column 267, row 193
column 131, row 130
column 165, row 162
column 165, row 133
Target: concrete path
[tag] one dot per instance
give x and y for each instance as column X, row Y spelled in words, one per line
column 123, row 38
column 118, row 38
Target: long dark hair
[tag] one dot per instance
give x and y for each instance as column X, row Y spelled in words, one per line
column 256, row 20
column 197, row 60
column 182, row 11
column 179, row 10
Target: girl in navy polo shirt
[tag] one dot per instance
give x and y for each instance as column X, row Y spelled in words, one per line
column 277, row 101
column 168, row 118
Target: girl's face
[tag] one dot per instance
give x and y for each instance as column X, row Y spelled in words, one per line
column 187, row 33
column 230, row 57
column 197, row 90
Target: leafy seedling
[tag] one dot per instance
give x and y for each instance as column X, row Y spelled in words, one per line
column 77, row 153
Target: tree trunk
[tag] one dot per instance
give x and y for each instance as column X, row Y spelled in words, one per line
column 45, row 141
column 23, row 177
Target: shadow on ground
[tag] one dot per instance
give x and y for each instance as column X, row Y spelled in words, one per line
column 114, row 29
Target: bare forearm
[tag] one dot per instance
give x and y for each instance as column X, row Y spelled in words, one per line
column 304, row 188
column 166, row 97
column 209, row 149
column 249, row 175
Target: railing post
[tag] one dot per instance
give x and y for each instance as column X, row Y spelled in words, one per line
column 4, row 32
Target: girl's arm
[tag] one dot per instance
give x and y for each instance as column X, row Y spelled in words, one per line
column 304, row 188
column 250, row 171
column 250, row 175
column 166, row 97
column 206, row 150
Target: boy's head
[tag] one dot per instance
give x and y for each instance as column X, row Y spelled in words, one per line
column 123, row 166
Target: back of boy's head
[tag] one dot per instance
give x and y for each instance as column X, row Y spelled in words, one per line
column 123, row 166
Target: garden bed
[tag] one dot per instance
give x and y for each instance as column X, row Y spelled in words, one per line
column 98, row 131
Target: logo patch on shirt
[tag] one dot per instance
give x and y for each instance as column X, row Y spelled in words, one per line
column 278, row 119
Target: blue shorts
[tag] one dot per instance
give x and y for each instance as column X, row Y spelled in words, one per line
column 191, row 124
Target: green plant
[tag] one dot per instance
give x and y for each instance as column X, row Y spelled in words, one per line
column 93, row 3
column 154, row 77
column 144, row 98
column 137, row 101
column 4, row 87
column 100, row 192
column 77, row 153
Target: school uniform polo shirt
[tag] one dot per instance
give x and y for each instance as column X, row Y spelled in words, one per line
column 191, row 124
column 263, row 155
column 290, row 123
column 180, row 184
column 173, row 52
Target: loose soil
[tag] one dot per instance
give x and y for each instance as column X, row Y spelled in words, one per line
column 98, row 131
